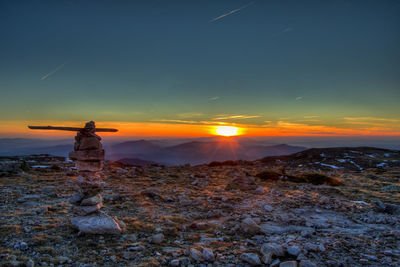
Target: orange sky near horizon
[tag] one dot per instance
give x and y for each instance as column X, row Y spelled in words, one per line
column 159, row 129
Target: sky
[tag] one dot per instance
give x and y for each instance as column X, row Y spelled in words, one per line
column 181, row 68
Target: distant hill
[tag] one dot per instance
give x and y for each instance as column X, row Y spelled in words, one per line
column 135, row 162
column 196, row 152
column 139, row 147
column 348, row 158
column 27, row 146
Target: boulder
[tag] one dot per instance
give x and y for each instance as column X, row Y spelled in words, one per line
column 98, row 223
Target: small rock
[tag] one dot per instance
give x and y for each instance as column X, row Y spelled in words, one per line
column 307, row 263
column 195, row 254
column 273, row 248
column 288, row 264
column 23, row 246
column 311, row 247
column 208, row 255
column 63, row 260
column 267, row 258
column 30, row 263
column 42, row 210
column 268, row 208
column 174, row 262
column 136, row 248
column 275, row 263
column 259, row 191
column 127, row 255
column 248, row 225
column 250, row 258
column 293, row 250
column 199, row 225
column 158, row 238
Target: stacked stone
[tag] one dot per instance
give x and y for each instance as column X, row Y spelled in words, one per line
column 89, row 156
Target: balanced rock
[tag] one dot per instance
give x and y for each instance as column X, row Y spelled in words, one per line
column 94, row 200
column 92, row 166
column 89, row 143
column 87, row 155
column 86, row 210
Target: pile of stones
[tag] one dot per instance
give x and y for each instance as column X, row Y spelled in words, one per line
column 87, row 204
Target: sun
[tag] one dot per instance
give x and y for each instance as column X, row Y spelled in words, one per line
column 227, row 130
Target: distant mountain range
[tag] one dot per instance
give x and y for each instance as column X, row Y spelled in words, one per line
column 182, row 151
column 196, row 152
column 142, row 152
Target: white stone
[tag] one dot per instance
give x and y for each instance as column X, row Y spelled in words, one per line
column 97, row 224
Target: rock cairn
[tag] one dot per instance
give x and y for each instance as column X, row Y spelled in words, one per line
column 87, row 204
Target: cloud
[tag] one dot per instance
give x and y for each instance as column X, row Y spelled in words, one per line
column 190, row 115
column 52, row 72
column 231, row 12
column 288, row 29
column 214, row 98
column 299, row 98
column 238, row 117
column 188, row 121
column 367, row 119
column 310, row 117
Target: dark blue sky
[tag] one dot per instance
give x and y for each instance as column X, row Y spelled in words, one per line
column 144, row 61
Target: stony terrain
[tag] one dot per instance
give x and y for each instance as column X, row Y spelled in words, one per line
column 221, row 214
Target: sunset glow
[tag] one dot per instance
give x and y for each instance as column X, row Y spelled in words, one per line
column 227, row 130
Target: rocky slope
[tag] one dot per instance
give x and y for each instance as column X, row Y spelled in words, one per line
column 222, row 214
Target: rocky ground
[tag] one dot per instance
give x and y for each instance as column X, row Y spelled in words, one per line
column 222, row 214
